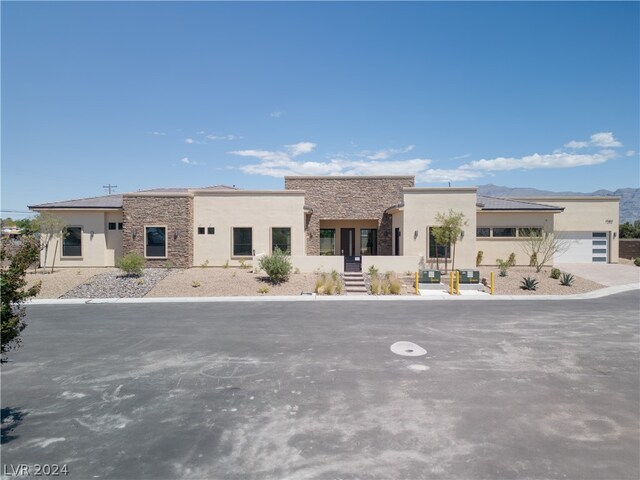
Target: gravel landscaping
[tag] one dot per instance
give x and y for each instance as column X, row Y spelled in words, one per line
column 115, row 284
column 62, row 280
column 510, row 285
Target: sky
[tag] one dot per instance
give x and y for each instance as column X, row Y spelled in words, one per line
column 191, row 94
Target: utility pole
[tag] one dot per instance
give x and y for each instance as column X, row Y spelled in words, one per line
column 109, row 187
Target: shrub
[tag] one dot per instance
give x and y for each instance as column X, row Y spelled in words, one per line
column 205, row 264
column 387, row 284
column 328, row 284
column 503, row 266
column 296, row 271
column 168, row 264
column 566, row 279
column 636, row 261
column 225, row 264
column 264, row 289
column 479, row 256
column 512, row 259
column 243, row 263
column 277, row 266
column 555, row 273
column 533, row 259
column 372, row 270
column 195, row 283
column 529, row 283
column 132, row 264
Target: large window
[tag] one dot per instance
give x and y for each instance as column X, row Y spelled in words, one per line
column 72, row 242
column 439, row 251
column 281, row 239
column 155, row 242
column 242, row 244
column 529, row 232
column 504, row 232
column 483, row 231
column 368, row 241
column 327, row 241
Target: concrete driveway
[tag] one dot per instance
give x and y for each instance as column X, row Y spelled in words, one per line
column 609, row 274
column 313, row 390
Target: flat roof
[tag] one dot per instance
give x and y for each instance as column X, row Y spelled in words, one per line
column 486, row 203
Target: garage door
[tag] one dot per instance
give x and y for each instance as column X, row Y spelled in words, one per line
column 584, row 247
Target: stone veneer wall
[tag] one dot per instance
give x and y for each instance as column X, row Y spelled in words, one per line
column 174, row 212
column 344, row 198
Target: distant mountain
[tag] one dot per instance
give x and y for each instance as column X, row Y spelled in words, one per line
column 629, row 197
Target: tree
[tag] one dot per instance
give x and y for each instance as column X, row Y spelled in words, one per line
column 541, row 247
column 15, row 260
column 27, row 226
column 629, row 230
column 49, row 226
column 448, row 231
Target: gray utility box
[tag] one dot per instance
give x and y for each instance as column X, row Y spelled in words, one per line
column 468, row 275
column 429, row 276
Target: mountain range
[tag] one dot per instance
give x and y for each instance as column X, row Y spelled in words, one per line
column 629, row 197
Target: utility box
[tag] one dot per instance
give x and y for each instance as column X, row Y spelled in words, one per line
column 429, row 276
column 468, row 275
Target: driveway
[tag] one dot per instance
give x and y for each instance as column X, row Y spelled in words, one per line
column 312, row 390
column 609, row 274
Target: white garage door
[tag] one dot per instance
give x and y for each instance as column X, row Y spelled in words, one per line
column 584, row 247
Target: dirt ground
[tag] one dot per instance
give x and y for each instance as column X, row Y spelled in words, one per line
column 56, row 284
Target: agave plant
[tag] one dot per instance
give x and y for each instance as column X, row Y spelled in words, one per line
column 529, row 283
column 566, row 279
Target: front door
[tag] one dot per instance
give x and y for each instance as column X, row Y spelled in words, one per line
column 348, row 242
column 397, row 243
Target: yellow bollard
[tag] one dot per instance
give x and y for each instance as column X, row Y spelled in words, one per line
column 457, row 283
column 491, row 283
column 417, row 289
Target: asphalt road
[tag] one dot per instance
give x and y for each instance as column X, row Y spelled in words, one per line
column 312, row 390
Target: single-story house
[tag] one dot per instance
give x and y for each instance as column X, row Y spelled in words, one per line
column 326, row 222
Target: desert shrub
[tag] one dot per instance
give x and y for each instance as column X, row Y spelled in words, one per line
column 243, row 263
column 168, row 265
column 132, row 264
column 263, row 289
column 503, row 266
column 529, row 283
column 205, row 264
column 387, row 284
column 225, row 264
column 567, row 279
column 636, row 261
column 296, row 271
column 372, row 270
column 555, row 273
column 512, row 259
column 533, row 259
column 277, row 266
column 195, row 283
column 479, row 256
column 328, row 284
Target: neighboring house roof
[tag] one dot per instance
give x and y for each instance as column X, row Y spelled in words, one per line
column 485, row 203
column 108, row 202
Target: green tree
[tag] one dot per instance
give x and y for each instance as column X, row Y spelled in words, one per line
column 542, row 247
column 15, row 260
column 27, row 226
column 630, row 230
column 49, row 226
column 448, row 231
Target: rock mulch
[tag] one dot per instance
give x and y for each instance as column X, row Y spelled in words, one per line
column 62, row 280
column 510, row 285
column 115, row 284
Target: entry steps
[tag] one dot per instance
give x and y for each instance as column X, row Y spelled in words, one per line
column 354, row 284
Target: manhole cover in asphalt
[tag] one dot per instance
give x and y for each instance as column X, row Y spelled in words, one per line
column 408, row 349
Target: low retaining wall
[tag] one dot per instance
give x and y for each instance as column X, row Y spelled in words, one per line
column 392, row 263
column 629, row 248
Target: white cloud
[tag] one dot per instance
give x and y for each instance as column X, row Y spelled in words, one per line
column 158, row 133
column 300, row 148
column 436, row 175
column 550, row 160
column 461, row 157
column 630, row 153
column 189, row 140
column 600, row 139
column 389, row 152
column 213, row 136
column 276, row 114
column 187, row 161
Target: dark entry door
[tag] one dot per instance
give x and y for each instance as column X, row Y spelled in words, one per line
column 397, row 243
column 348, row 241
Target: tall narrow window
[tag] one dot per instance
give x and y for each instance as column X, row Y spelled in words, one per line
column 281, row 239
column 242, row 245
column 155, row 242
column 327, row 241
column 437, row 250
column 72, row 242
column 368, row 241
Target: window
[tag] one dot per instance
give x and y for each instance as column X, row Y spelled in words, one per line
column 599, row 242
column 200, row 230
column 598, row 250
column 281, row 238
column 242, row 246
column 368, row 241
column 327, row 241
column 155, row 241
column 599, row 259
column 211, row 230
column 483, row 232
column 504, row 232
column 529, row 232
column 600, row 234
column 112, row 225
column 436, row 250
column 120, row 224
column 72, row 242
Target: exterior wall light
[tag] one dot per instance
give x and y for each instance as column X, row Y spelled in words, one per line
column 415, row 234
column 134, row 232
column 175, row 234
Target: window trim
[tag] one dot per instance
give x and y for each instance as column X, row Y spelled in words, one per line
column 73, row 257
column 233, row 242
column 290, row 239
column 166, row 241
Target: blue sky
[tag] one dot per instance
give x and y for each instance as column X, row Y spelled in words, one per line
column 160, row 94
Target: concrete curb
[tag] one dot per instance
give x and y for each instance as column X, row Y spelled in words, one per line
column 604, row 292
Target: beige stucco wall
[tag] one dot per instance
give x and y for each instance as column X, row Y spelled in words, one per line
column 588, row 214
column 260, row 210
column 421, row 205
column 494, row 248
column 99, row 248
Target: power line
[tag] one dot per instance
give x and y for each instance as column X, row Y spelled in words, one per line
column 109, row 187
